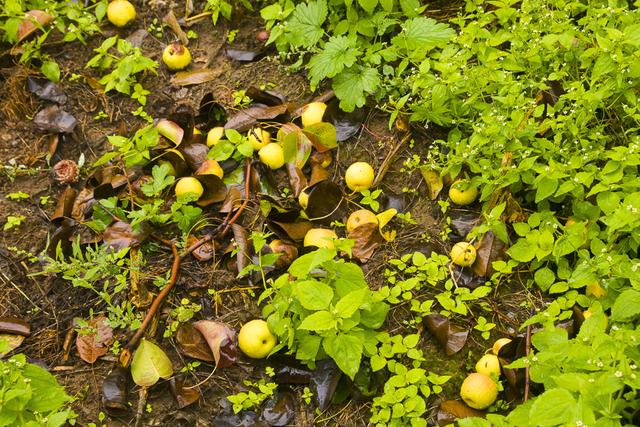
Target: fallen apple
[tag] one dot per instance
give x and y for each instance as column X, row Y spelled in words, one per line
column 120, row 12
column 312, row 113
column 479, row 391
column 215, row 135
column 272, row 155
column 255, row 339
column 501, row 342
column 489, row 364
column 210, row 167
column 359, row 176
column 462, row 193
column 360, row 217
column 189, row 185
column 320, row 237
column 176, row 56
column 288, row 252
column 463, row 254
column 258, row 138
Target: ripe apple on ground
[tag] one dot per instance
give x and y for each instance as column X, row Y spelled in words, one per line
column 215, row 135
column 489, row 364
column 359, row 176
column 189, row 185
column 360, row 217
column 120, row 12
column 288, row 252
column 312, row 113
column 176, row 56
column 463, row 254
column 272, row 155
column 499, row 344
column 320, row 237
column 462, row 193
column 258, row 138
column 210, row 167
column 479, row 391
column 255, row 339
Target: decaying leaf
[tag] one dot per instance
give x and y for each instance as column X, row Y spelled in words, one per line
column 451, row 410
column 14, row 326
column 204, row 252
column 322, row 135
column 324, row 381
column 242, row 55
column 280, row 410
column 149, row 364
column 115, row 390
column 383, row 219
column 192, row 344
column 46, row 90
column 93, row 342
column 215, row 191
column 10, row 342
column 244, row 120
column 195, row 77
column 325, row 202
column 367, row 238
column 184, row 394
column 64, row 205
column 290, row 230
column 433, row 180
column 241, row 238
column 490, row 249
column 221, row 340
column 120, row 235
column 55, row 119
column 297, row 180
column 452, row 338
column 33, row 20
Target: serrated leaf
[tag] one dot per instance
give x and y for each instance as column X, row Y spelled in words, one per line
column 318, row 321
column 348, row 304
column 339, row 53
column 314, row 295
column 353, row 84
column 346, row 351
column 150, row 363
column 305, row 25
column 420, row 35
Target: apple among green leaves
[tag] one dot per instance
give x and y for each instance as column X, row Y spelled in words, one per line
column 255, row 339
column 479, row 391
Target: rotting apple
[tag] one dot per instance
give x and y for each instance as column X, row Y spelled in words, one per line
column 258, row 138
column 288, row 252
column 501, row 342
column 255, row 339
column 463, row 254
column 359, row 176
column 176, row 56
column 215, row 135
column 312, row 113
column 360, row 217
column 210, row 167
column 121, row 12
column 189, row 185
column 272, row 155
column 479, row 391
column 320, row 237
column 462, row 193
column 489, row 364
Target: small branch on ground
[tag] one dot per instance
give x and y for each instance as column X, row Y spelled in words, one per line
column 386, row 163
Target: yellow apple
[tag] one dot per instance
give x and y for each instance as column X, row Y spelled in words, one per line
column 272, row 155
column 479, row 391
column 176, row 56
column 320, row 237
column 189, row 185
column 359, row 176
column 255, row 339
column 258, row 138
column 463, row 254
column 312, row 113
column 462, row 193
column 214, row 136
column 359, row 217
column 120, row 12
column 489, row 365
column 303, row 198
column 499, row 344
column 210, row 167
column 288, row 252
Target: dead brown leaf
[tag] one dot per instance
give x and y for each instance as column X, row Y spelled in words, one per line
column 95, row 343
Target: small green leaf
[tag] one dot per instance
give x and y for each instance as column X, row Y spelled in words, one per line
column 626, row 307
column 348, row 304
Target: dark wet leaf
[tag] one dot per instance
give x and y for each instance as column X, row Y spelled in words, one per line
column 222, row 341
column 243, row 419
column 176, row 159
column 290, row 230
column 367, row 238
column 55, row 119
column 65, row 205
column 324, row 382
column 115, row 390
column 241, row 238
column 465, row 276
column 192, row 344
column 204, row 252
column 244, row 120
column 233, row 199
column 184, row 394
column 325, row 201
column 322, row 135
column 210, row 113
column 451, row 337
column 391, row 200
column 46, row 90
column 346, row 124
column 491, row 249
column 137, row 37
column 266, row 97
column 462, row 221
column 61, row 237
column 83, row 205
column 215, row 190
column 94, row 343
column 243, row 55
column 194, row 154
column 196, row 77
column 33, row 20
column 297, row 180
column 451, row 410
column 290, row 374
column 14, row 326
column 120, row 235
column 288, row 252
column 263, row 182
column 280, row 409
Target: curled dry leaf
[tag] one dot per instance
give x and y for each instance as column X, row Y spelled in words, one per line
column 452, row 338
column 241, row 238
column 172, row 22
column 233, row 199
column 65, row 204
column 195, row 77
column 366, row 239
column 433, row 180
column 290, row 230
column 170, row 130
column 451, row 410
column 192, row 344
column 115, row 390
column 83, row 204
column 297, row 180
column 184, row 394
column 222, row 341
column 215, row 190
column 489, row 250
column 120, row 235
column 244, row 120
column 266, row 97
column 322, row 135
column 33, row 20
column 94, row 343
column 204, row 252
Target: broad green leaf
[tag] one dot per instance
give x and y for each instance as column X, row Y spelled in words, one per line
column 150, row 363
column 553, row 408
column 546, row 188
column 303, row 265
column 626, row 307
column 373, row 315
column 353, row 84
column 314, row 295
column 322, row 135
column 339, row 53
column 544, row 278
column 50, row 395
column 346, row 351
column 51, row 70
column 419, row 35
column 348, row 304
column 305, row 25
column 523, row 250
column 318, row 321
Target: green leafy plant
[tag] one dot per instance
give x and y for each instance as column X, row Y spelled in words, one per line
column 13, row 221
column 252, row 399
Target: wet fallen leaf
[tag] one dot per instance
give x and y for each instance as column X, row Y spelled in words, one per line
column 324, row 381
column 289, row 373
column 325, row 201
column 9, row 342
column 137, row 37
column 120, row 235
column 241, row 238
column 451, row 410
column 242, row 55
column 196, row 77
column 94, row 343
column 433, row 180
column 322, row 135
column 115, row 390
column 215, row 190
column 266, row 97
column 33, row 20
column 295, row 144
column 489, row 250
column 366, row 239
column 65, row 204
column 184, row 394
column 346, row 124
column 192, row 344
column 280, row 409
column 244, row 120
column 61, row 237
column 233, row 199
column 83, row 204
column 290, row 230
column 204, row 252
column 452, row 338
column 149, row 364
column 243, row 419
column 54, row 119
column 462, row 221
column 46, row 90
column 222, row 341
column 297, row 180
column 14, row 326
column 210, row 113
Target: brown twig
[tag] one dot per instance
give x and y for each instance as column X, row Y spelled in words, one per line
column 386, row 163
column 527, row 350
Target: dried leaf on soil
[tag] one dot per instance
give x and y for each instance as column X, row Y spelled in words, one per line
column 490, row 249
column 244, row 120
column 54, row 119
column 366, row 239
column 33, row 20
column 451, row 410
column 94, row 344
column 196, row 77
column 115, row 390
column 451, row 337
column 184, row 394
column 46, row 90
column 192, row 344
column 222, row 341
column 14, row 326
column 120, row 235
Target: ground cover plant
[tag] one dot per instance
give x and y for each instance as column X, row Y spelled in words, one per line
column 442, row 230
